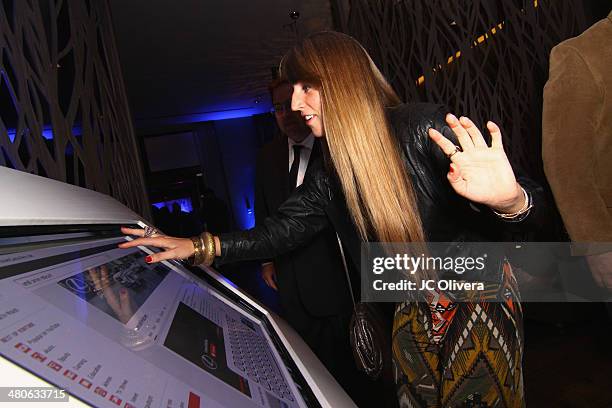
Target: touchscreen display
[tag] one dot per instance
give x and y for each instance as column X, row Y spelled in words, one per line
column 115, row 331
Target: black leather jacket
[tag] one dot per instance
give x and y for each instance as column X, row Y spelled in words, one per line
column 446, row 217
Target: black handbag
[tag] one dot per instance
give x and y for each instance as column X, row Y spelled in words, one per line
column 370, row 341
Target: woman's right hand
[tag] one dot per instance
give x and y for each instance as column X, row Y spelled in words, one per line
column 479, row 172
column 174, row 248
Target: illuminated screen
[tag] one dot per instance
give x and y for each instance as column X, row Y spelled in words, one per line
column 115, row 331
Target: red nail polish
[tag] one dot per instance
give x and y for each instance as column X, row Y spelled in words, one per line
column 148, row 259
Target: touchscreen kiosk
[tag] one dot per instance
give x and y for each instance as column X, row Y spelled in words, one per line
column 114, row 331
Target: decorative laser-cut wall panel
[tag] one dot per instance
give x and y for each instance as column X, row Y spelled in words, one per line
column 63, row 108
column 484, row 58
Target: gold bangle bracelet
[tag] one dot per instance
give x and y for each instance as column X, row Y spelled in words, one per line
column 198, row 253
column 208, row 248
column 203, row 249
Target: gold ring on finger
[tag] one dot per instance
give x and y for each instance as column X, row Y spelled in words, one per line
column 457, row 150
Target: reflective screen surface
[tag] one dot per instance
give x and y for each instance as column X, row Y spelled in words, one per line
column 100, row 322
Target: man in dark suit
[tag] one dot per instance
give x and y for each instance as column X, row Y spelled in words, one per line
column 311, row 281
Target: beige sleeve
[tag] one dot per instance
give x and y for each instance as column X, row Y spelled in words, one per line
column 572, row 109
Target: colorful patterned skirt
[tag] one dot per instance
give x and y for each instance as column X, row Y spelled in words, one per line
column 460, row 354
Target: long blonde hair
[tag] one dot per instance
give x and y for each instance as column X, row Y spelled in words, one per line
column 364, row 153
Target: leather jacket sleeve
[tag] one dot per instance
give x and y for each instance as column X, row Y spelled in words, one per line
column 295, row 223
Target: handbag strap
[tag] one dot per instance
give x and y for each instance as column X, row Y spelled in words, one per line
column 348, row 277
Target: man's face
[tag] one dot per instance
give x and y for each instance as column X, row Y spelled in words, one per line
column 289, row 122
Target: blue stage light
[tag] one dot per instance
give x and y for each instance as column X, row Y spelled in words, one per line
column 47, row 133
column 185, row 203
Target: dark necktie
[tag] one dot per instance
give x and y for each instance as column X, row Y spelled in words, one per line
column 295, row 166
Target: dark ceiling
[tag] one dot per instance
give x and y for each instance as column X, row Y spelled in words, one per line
column 193, row 60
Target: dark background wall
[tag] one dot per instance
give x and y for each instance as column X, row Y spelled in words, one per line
column 484, row 59
column 63, row 109
column 225, row 151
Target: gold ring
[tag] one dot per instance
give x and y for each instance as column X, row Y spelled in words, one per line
column 150, row 232
column 457, row 150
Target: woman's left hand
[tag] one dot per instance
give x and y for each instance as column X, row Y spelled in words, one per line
column 478, row 172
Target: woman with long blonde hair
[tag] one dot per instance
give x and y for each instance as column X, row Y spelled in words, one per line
column 397, row 173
